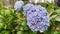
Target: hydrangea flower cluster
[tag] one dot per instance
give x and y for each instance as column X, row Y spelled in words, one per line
column 18, row 5
column 37, row 17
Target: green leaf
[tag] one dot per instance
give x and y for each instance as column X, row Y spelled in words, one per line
column 19, row 32
column 53, row 17
column 3, row 13
column 57, row 32
column 12, row 11
column 53, row 13
column 5, row 32
column 57, row 18
column 1, row 25
column 31, row 32
column 21, row 28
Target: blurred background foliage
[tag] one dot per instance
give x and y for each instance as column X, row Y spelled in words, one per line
column 13, row 22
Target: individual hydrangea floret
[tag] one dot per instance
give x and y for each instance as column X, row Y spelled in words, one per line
column 18, row 5
column 37, row 18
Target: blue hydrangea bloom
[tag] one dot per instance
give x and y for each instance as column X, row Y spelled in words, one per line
column 18, row 5
column 37, row 18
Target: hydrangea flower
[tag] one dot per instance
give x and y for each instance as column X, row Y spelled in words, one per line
column 18, row 5
column 37, row 18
